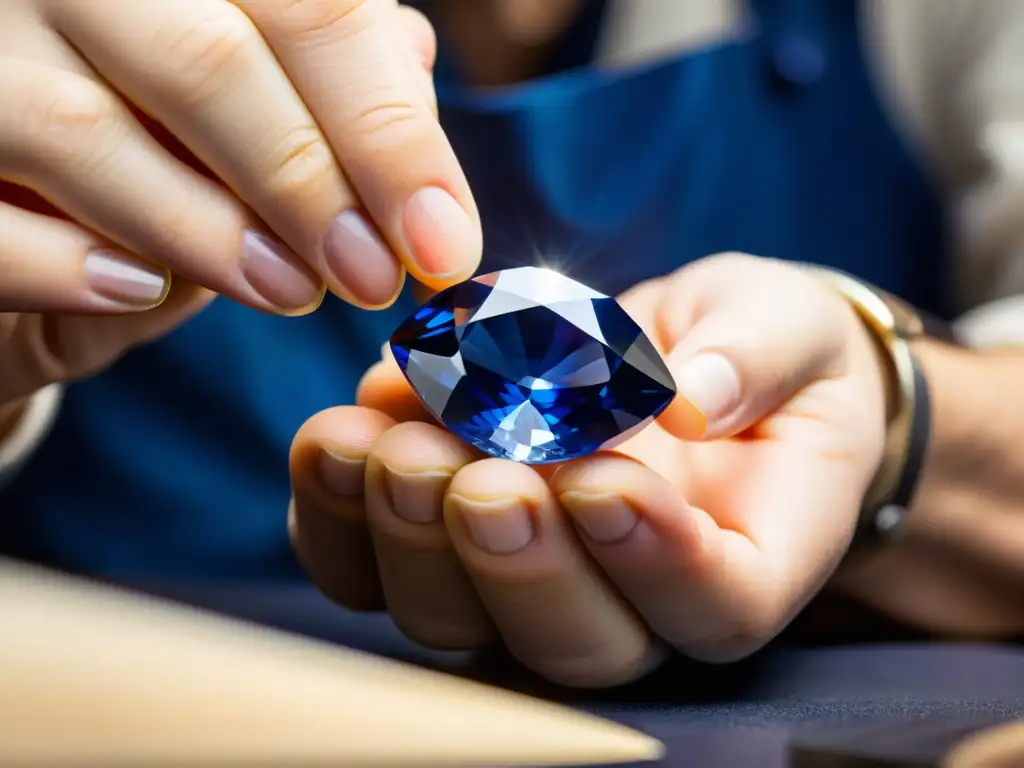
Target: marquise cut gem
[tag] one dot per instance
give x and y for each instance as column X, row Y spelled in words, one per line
column 530, row 365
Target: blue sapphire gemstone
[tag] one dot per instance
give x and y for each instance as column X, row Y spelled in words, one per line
column 529, row 365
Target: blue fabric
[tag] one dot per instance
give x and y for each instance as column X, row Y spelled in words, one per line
column 174, row 461
column 775, row 144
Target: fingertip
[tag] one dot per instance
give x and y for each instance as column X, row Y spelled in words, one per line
column 683, row 420
column 383, row 375
column 602, row 473
column 385, row 302
column 326, row 521
column 414, row 448
column 497, row 480
column 602, row 492
column 346, row 433
column 418, row 30
column 306, row 309
column 709, row 393
column 444, row 237
column 385, row 389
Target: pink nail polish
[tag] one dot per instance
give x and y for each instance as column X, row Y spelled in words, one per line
column 359, row 259
column 277, row 275
column 443, row 238
column 125, row 280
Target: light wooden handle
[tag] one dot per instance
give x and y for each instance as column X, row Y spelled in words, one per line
column 99, row 677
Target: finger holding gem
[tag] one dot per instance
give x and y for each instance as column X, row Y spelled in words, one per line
column 556, row 611
column 425, row 585
column 327, row 518
column 385, row 389
column 697, row 585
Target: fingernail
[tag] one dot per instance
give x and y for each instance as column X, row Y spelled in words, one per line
column 124, row 280
column 416, row 497
column 277, row 275
column 604, row 517
column 440, row 232
column 498, row 527
column 359, row 259
column 711, row 384
column 341, row 475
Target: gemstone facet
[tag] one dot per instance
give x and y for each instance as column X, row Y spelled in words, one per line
column 529, row 365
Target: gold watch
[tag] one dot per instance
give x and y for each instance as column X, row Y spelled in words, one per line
column 894, row 324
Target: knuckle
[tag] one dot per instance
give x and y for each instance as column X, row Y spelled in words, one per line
column 386, row 123
column 302, row 165
column 177, row 227
column 66, row 114
column 208, row 52
column 53, row 350
column 326, row 17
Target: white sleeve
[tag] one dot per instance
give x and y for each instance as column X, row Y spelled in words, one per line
column 952, row 72
column 30, row 431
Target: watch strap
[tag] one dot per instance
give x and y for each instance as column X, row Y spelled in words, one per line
column 882, row 520
column 919, row 438
column 893, row 324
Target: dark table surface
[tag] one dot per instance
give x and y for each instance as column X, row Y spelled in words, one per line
column 738, row 715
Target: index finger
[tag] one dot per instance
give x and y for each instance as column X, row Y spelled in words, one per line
column 345, row 58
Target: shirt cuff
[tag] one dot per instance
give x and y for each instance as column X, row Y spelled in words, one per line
column 30, row 431
column 998, row 323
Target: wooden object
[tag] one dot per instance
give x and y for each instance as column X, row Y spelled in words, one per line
column 91, row 676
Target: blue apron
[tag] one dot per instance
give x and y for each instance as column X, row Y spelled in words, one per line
column 173, row 463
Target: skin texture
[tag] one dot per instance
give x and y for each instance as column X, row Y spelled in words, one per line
column 155, row 155
column 956, row 571
column 708, row 531
column 152, row 157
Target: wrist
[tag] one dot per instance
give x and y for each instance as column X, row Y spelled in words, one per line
column 973, row 422
column 954, row 570
column 889, row 327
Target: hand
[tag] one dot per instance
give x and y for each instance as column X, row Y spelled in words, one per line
column 259, row 149
column 708, row 531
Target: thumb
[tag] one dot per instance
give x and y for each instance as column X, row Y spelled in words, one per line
column 37, row 349
column 69, row 304
column 743, row 339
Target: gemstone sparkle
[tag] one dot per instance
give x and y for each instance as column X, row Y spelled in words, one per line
column 527, row 364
